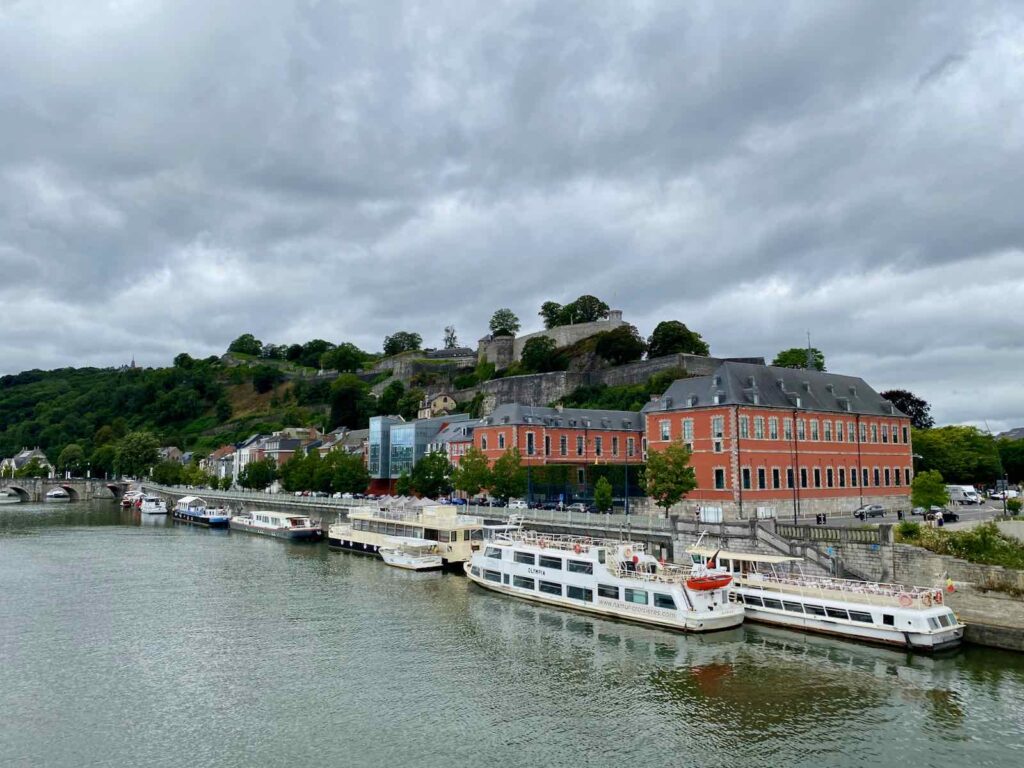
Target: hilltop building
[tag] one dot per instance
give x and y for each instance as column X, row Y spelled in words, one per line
column 502, row 351
column 25, row 456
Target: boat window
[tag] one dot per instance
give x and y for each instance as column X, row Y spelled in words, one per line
column 493, row 552
column 837, row 613
column 475, row 571
column 664, row 601
column 477, row 534
column 504, row 578
column 600, row 556
column 607, row 590
column 933, row 622
column 815, row 610
column 430, row 534
column 550, row 562
column 773, row 603
column 453, row 536
column 860, row 616
column 752, row 600
column 951, row 618
column 888, row 619
column 551, row 588
column 526, row 558
column 579, row 566
column 793, row 607
column 522, row 582
column 492, row 576
column 579, row 593
column 637, row 596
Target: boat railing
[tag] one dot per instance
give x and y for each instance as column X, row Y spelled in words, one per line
column 827, row 587
column 662, row 573
column 563, row 541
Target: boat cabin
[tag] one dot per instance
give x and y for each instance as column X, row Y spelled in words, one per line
column 192, row 504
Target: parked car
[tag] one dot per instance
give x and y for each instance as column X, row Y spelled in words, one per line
column 579, row 506
column 948, row 516
column 869, row 510
column 918, row 511
column 1000, row 495
column 517, row 504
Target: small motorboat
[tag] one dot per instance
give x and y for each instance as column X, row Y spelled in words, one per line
column 58, row 495
column 153, row 505
column 707, row 583
column 412, row 554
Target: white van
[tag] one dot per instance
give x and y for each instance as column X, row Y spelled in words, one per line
column 963, row 494
column 517, row 504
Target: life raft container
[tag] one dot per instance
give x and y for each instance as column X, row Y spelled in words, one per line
column 706, row 583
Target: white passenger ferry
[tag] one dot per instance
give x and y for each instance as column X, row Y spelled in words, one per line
column 772, row 590
column 616, row 579
column 281, row 525
column 153, row 505
column 456, row 536
column 412, row 555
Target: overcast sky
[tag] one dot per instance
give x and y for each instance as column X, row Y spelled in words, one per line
column 173, row 174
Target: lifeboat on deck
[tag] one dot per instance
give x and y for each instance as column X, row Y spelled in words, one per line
column 707, row 583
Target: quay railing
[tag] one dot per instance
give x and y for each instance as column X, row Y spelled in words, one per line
column 834, row 535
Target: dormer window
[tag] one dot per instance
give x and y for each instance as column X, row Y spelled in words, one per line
column 717, row 381
column 853, row 391
column 719, row 398
column 755, row 398
column 692, row 401
column 831, row 389
column 806, row 385
column 781, row 384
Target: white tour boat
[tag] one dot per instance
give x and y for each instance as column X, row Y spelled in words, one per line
column 131, row 499
column 153, row 505
column 455, row 535
column 192, row 509
column 281, row 525
column 772, row 590
column 57, row 495
column 412, row 554
column 615, row 579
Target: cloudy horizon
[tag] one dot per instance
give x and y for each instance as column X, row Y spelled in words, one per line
column 175, row 174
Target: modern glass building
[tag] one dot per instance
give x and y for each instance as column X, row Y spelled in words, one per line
column 409, row 442
column 379, row 445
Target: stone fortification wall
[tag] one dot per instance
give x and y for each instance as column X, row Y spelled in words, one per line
column 503, row 350
column 640, row 372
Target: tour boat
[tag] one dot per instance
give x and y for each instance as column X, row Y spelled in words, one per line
column 412, row 554
column 192, row 509
column 281, row 525
column 57, row 495
column 131, row 499
column 773, row 590
column 153, row 505
column 456, row 536
column 615, row 579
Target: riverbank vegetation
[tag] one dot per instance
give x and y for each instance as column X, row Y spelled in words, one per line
column 983, row 544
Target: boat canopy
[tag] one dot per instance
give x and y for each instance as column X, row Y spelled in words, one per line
column 191, row 501
column 750, row 557
column 411, row 542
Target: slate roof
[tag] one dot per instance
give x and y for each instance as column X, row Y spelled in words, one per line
column 736, row 383
column 568, row 418
column 459, row 431
column 1017, row 433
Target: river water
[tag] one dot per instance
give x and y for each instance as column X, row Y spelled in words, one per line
column 130, row 644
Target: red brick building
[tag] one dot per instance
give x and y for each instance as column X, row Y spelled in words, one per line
column 786, row 441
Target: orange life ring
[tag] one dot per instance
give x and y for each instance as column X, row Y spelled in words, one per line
column 938, row 597
column 905, row 600
column 577, row 548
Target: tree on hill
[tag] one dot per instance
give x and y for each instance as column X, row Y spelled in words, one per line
column 669, row 476
column 101, row 461
column 585, row 309
column 603, row 494
column 401, row 341
column 551, row 312
column 71, row 459
column 409, row 404
column 265, row 378
column 257, row 475
column 621, row 345
column 508, row 477
column 431, row 477
column 960, row 454
column 136, row 453
column 504, row 323
column 673, row 337
column 540, row 354
column 389, row 399
column 351, row 405
column 915, row 407
column 451, row 341
column 1011, row 453
column 348, row 472
column 167, row 473
column 928, row 490
column 345, row 357
column 796, row 357
column 473, row 473
column 246, row 344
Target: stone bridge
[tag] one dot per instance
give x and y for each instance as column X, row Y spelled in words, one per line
column 34, row 489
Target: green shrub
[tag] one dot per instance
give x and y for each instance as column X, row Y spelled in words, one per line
column 908, row 530
column 1013, row 506
column 983, row 544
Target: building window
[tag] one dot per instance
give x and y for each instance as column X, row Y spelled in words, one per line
column 579, row 445
column 801, row 433
column 814, row 429
column 501, row 440
column 530, row 444
column 719, row 479
column 718, row 446
column 630, row 446
column 885, row 434
column 827, row 427
column 787, row 429
column 789, row 477
column 773, row 428
column 895, row 434
column 745, row 474
column 817, row 477
column 744, row 426
column 776, row 478
column 842, row 477
column 803, row 477
column 839, row 431
column 581, row 476
column 878, row 478
column 762, row 481
column 906, row 475
column 851, row 436
column 906, row 435
column 547, row 445
column 598, row 446
column 563, row 445
column 829, row 478
column 888, row 479
column 863, row 433
column 865, row 478
column 687, row 430
column 717, row 426
column 665, row 428
column 896, row 476
column 874, row 433
column 483, row 442
column 759, row 427
column 615, row 446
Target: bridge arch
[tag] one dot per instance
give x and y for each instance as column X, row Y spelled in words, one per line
column 23, row 495
column 116, row 490
column 72, row 492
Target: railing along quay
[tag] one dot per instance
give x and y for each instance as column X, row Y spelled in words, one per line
column 836, row 535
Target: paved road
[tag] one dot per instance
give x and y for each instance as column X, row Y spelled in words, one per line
column 986, row 511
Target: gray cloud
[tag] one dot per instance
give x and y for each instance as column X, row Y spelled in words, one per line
column 174, row 174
